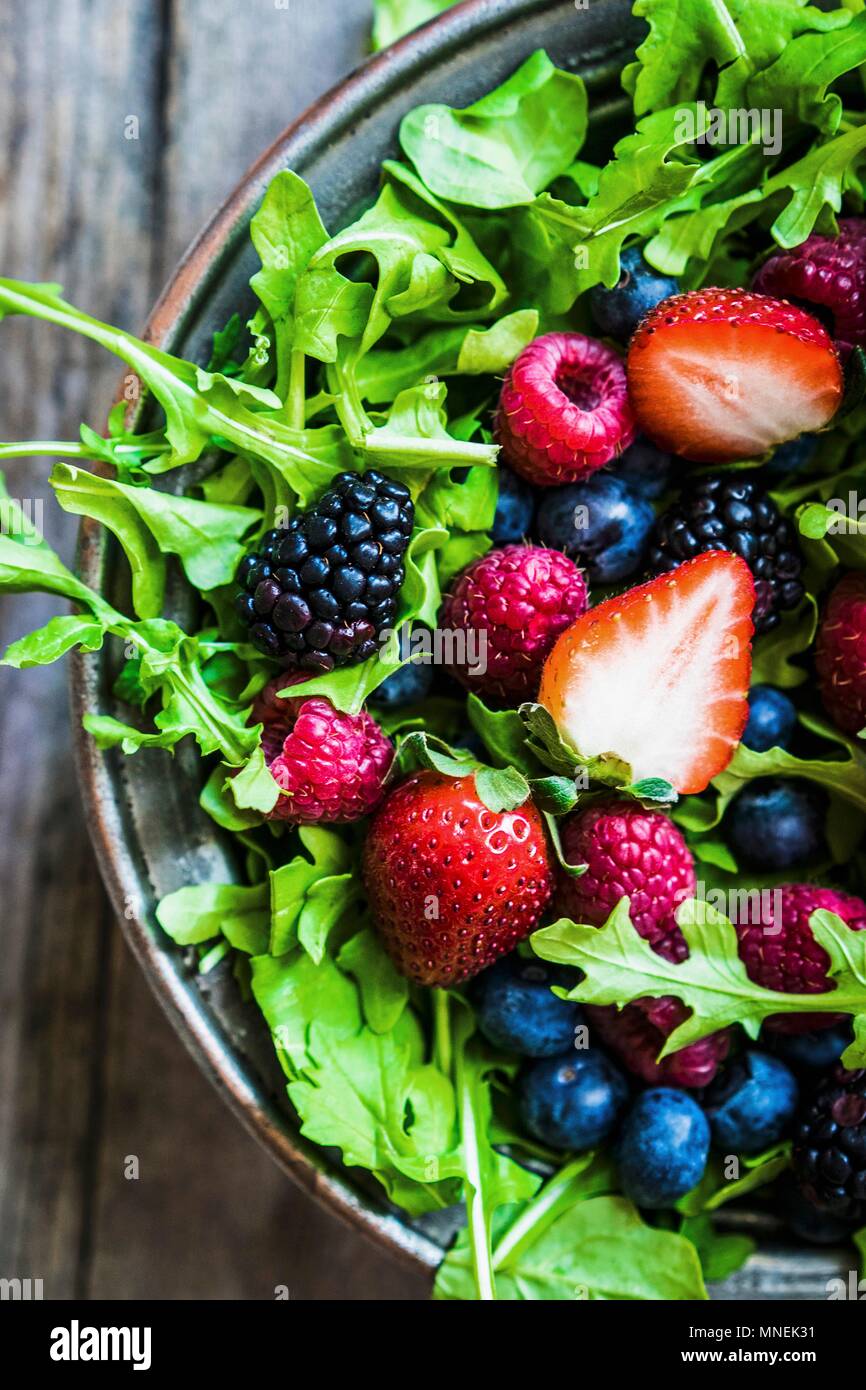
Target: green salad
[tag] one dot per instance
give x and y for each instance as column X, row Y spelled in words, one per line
column 495, row 509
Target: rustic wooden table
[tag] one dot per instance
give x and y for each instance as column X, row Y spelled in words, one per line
column 90, row 1070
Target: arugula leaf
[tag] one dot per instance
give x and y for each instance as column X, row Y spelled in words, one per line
column 54, row 640
column 721, row 1253
column 199, row 912
column 683, row 38
column 712, row 982
column 308, row 896
column 772, row 654
column 506, row 147
column 598, row 1249
column 384, row 991
column 453, row 351
column 394, row 18
column 207, row 538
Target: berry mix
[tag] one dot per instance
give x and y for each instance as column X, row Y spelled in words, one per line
column 529, row 664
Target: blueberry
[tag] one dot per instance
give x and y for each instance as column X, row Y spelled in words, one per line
column 408, row 685
column 663, row 1147
column 751, row 1103
column 776, row 824
column 572, row 1102
column 812, row 1052
column 645, row 468
column 772, row 719
column 518, row 1011
column 793, row 457
column 618, row 311
column 515, row 508
column 602, row 523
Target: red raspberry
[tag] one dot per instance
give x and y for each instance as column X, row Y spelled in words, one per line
column 840, row 654
column 639, row 854
column 781, row 953
column 515, row 602
column 332, row 766
column 636, row 1035
column 634, row 854
column 826, row 273
column 564, row 409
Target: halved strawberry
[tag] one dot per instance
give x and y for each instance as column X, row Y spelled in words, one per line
column 660, row 675
column 720, row 374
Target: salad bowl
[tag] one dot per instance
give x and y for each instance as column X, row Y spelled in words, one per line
column 151, row 836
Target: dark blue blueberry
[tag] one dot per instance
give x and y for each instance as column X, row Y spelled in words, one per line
column 602, row 524
column 408, row 685
column 645, row 468
column 572, row 1102
column 793, row 457
column 515, row 508
column 811, row 1052
column 772, row 719
column 663, row 1147
column 751, row 1103
column 776, row 824
column 618, row 311
column 518, row 1011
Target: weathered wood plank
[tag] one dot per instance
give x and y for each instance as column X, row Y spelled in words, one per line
column 121, row 127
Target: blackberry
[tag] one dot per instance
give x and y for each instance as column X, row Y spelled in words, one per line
column 829, row 1153
column 317, row 594
column 728, row 512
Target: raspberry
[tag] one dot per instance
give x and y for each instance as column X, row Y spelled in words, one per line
column 825, row 273
column 840, row 654
column 515, row 602
column 727, row 512
column 316, row 596
column 788, row 958
column 331, row 766
column 829, row 1151
column 636, row 1035
column 641, row 855
column 631, row 853
column 564, row 410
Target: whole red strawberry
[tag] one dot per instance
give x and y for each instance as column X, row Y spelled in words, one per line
column 506, row 610
column 840, row 654
column 331, row 766
column 781, row 952
column 829, row 272
column 452, row 885
column 718, row 375
column 639, row 854
column 564, row 410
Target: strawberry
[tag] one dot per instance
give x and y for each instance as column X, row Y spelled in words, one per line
column 659, row 676
column 840, row 654
column 719, row 374
column 452, row 885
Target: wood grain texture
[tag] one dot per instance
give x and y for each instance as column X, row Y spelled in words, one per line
column 90, row 1071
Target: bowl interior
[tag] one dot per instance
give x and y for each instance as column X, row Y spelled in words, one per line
column 150, row 834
